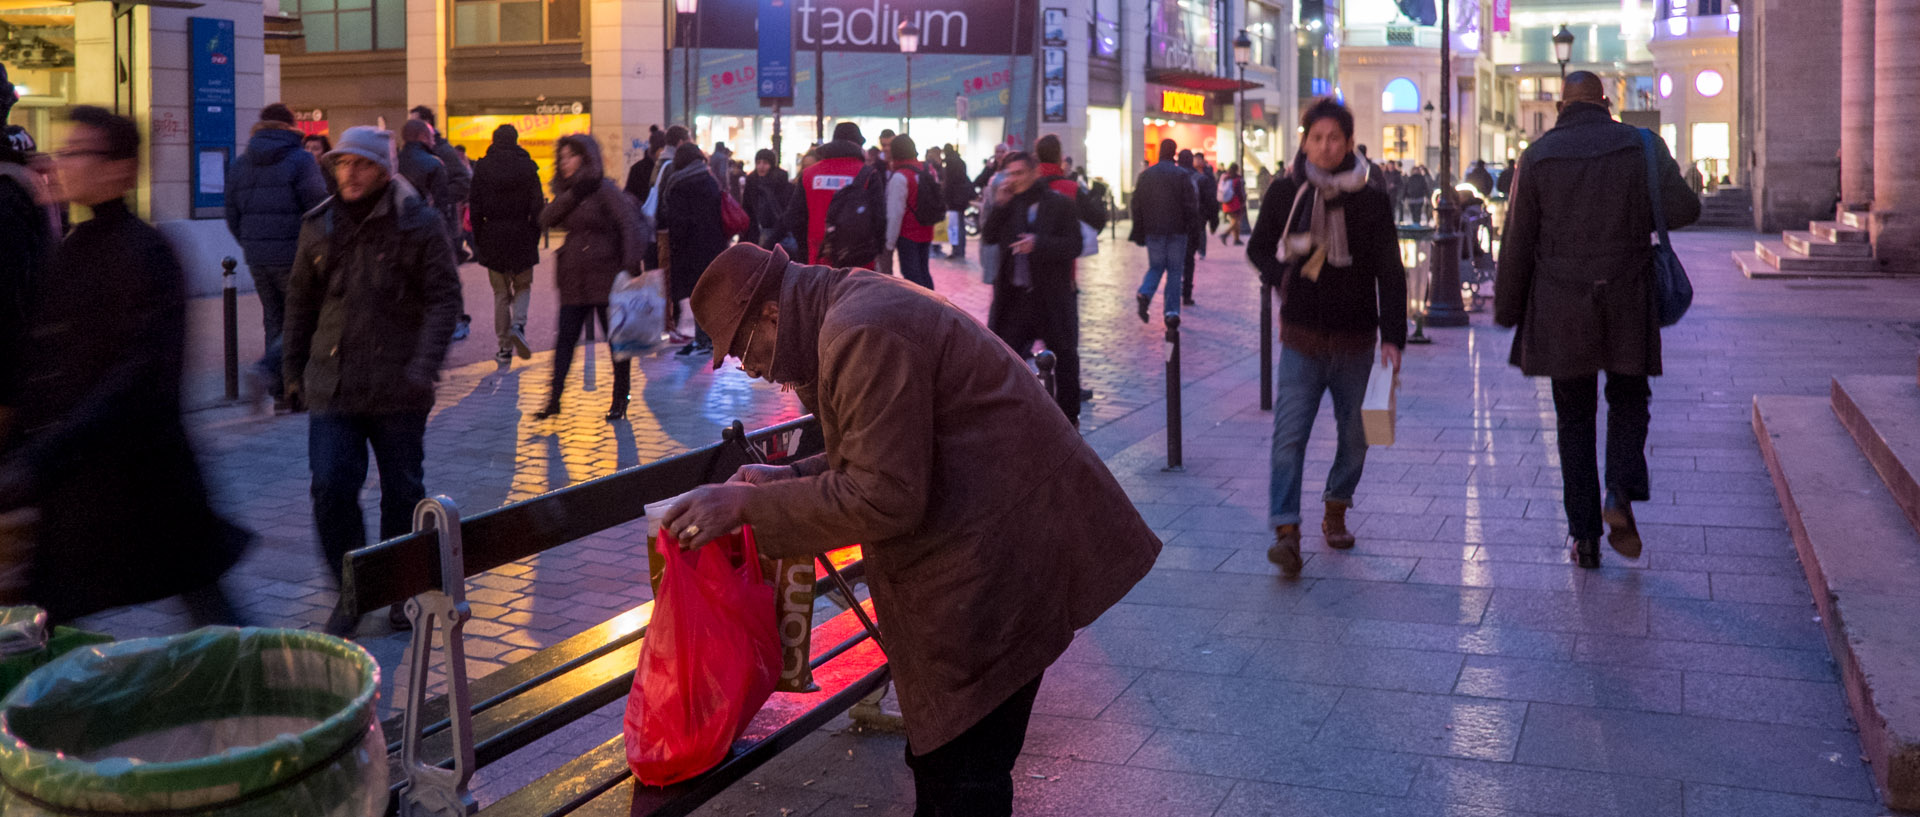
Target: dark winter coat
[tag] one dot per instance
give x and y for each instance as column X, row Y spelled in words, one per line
column 459, row 174
column 1366, row 298
column 371, row 306
column 124, row 516
column 1576, row 265
column 992, row 532
column 1481, row 179
column 30, row 230
column 765, row 200
column 1050, row 217
column 695, row 236
column 428, row 175
column 603, row 237
column 957, row 186
column 506, row 208
column 1166, row 201
column 269, row 189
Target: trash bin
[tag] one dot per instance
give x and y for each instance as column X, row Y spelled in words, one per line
column 27, row 644
column 219, row 721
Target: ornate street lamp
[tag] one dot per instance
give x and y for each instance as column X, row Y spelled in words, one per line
column 689, row 11
column 909, row 36
column 1563, row 48
column 1242, row 54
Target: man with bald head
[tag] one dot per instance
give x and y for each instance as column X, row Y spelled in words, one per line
column 1576, row 278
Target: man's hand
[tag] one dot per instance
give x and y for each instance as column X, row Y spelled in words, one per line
column 708, row 513
column 1022, row 246
column 1390, row 355
column 762, row 474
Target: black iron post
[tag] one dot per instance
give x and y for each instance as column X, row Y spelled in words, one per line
column 1173, row 393
column 1266, row 345
column 230, row 297
column 1443, row 292
column 1046, row 362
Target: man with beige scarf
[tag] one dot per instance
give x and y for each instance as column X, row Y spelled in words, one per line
column 1326, row 240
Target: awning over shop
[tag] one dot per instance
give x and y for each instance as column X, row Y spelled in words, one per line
column 1192, row 80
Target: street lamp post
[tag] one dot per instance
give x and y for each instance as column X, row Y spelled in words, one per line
column 1243, row 54
column 689, row 11
column 1563, row 49
column 1427, row 142
column 909, row 36
column 1445, row 307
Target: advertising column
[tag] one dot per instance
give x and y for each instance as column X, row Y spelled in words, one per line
column 213, row 120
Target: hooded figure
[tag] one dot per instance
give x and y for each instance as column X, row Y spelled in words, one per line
column 506, row 234
column 603, row 238
column 690, row 213
column 980, row 572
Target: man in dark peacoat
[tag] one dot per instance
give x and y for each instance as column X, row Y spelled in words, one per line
column 1576, row 278
column 98, row 449
column 1039, row 236
column 506, row 233
column 981, row 569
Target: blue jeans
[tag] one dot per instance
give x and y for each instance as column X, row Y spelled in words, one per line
column 914, row 261
column 1300, row 382
column 337, row 455
column 1166, row 255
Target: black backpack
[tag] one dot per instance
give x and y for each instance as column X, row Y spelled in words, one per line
column 856, row 221
column 929, row 206
column 1089, row 203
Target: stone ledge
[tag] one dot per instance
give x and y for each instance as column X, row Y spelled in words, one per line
column 1862, row 559
column 1882, row 413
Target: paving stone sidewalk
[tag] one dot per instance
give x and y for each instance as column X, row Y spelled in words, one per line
column 1452, row 664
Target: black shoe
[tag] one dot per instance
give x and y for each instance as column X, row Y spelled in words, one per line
column 552, row 408
column 618, row 412
column 397, row 618
column 503, row 358
column 1086, row 395
column 1622, row 534
column 1187, row 302
column 687, row 350
column 1144, row 302
column 518, row 337
column 1585, row 553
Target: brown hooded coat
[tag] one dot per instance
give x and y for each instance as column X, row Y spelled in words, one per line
column 992, row 531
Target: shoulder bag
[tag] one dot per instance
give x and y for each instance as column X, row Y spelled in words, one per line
column 1673, row 293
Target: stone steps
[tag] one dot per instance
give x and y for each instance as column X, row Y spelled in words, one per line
column 1837, row 232
column 1856, row 219
column 1809, row 244
column 1882, row 413
column 1862, row 558
column 1785, row 259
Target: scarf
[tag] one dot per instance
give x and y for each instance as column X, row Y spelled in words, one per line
column 1319, row 235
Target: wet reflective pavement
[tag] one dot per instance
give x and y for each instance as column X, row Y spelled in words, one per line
column 1454, row 663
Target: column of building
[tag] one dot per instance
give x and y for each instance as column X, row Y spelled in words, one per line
column 426, row 55
column 1896, row 134
column 628, row 40
column 1856, row 104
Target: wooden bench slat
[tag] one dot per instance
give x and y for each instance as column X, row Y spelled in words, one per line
column 395, row 570
column 848, row 674
column 520, row 676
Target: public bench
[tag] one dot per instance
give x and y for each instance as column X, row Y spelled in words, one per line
column 435, row 744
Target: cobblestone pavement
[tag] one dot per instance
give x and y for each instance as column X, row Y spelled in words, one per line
column 1453, row 663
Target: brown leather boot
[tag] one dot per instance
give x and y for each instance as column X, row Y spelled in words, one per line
column 1335, row 527
column 1286, row 550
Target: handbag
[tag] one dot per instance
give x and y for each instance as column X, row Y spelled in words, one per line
column 733, row 217
column 1672, row 292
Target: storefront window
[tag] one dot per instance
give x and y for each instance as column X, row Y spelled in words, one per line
column 1183, row 36
column 493, row 22
column 352, row 25
column 1263, row 25
column 1106, row 28
column 1401, row 96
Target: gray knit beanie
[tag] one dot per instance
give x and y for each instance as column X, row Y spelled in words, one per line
column 367, row 142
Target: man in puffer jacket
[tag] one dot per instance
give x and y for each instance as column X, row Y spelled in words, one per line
column 269, row 188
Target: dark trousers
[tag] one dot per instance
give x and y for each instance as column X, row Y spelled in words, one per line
column 914, row 263
column 1575, row 401
column 1026, row 317
column 1186, row 283
column 573, row 319
column 972, row 775
column 337, row 447
column 270, row 283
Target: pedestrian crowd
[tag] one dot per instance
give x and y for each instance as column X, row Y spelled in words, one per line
column 818, row 280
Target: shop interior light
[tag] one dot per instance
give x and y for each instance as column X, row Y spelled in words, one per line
column 687, row 6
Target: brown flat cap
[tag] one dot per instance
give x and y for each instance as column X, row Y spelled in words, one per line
column 726, row 289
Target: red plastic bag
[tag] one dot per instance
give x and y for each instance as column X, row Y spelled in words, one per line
column 709, row 662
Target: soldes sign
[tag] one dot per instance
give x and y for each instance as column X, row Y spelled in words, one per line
column 946, row 26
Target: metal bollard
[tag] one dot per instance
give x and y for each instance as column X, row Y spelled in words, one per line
column 1266, row 348
column 1045, row 362
column 1173, row 393
column 231, row 305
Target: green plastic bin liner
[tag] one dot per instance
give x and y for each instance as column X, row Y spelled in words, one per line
column 26, row 644
column 219, row 721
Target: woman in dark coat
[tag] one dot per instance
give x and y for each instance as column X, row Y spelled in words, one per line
column 767, row 191
column 603, row 238
column 690, row 214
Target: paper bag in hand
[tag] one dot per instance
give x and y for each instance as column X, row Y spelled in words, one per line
column 1378, row 408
